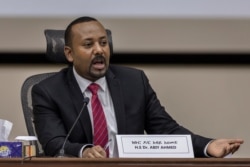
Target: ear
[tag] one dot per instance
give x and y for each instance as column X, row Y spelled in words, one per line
column 68, row 53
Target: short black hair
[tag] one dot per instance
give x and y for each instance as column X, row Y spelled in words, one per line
column 67, row 35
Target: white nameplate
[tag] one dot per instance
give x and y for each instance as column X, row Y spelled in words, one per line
column 155, row 146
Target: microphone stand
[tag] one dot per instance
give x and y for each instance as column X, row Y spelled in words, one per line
column 61, row 152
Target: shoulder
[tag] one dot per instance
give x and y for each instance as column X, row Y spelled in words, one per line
column 54, row 79
column 126, row 73
column 119, row 69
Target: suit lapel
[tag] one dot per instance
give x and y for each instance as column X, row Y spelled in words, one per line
column 118, row 101
column 77, row 98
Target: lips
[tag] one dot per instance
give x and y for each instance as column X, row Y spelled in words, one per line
column 98, row 63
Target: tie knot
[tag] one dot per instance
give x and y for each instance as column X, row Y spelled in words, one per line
column 93, row 88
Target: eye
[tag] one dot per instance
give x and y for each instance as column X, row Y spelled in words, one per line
column 87, row 44
column 103, row 42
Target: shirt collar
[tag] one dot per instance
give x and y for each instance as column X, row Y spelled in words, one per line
column 84, row 83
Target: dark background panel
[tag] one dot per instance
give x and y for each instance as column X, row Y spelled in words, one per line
column 142, row 58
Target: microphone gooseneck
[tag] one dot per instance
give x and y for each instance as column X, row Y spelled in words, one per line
column 85, row 103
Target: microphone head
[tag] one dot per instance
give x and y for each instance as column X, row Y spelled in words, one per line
column 86, row 100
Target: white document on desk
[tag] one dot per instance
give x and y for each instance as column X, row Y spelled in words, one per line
column 155, row 146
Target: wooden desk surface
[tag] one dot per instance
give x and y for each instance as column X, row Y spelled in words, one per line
column 125, row 162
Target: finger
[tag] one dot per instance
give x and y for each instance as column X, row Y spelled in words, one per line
column 232, row 141
column 95, row 155
column 98, row 148
column 235, row 148
column 90, row 155
column 228, row 149
column 99, row 152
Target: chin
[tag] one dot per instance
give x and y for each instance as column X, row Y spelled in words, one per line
column 99, row 74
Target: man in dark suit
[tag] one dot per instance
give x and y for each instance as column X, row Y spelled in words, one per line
column 129, row 102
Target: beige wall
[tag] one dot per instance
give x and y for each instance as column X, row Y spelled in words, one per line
column 138, row 35
column 210, row 100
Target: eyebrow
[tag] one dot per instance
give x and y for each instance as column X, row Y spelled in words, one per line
column 103, row 37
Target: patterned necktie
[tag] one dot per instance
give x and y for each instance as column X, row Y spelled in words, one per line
column 100, row 125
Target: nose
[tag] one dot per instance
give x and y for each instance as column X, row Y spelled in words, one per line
column 98, row 49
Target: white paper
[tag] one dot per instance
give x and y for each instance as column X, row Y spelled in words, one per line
column 26, row 138
column 5, row 129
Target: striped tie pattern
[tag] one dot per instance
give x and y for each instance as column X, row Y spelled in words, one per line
column 99, row 120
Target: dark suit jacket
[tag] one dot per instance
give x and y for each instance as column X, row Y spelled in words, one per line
column 58, row 100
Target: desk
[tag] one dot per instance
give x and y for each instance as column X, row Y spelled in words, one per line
column 125, row 162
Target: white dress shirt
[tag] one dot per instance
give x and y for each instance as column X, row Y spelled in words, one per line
column 108, row 108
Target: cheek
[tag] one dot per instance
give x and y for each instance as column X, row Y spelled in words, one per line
column 107, row 54
column 83, row 56
column 83, row 62
column 82, row 66
column 107, row 50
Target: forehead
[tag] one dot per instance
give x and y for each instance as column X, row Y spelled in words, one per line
column 89, row 29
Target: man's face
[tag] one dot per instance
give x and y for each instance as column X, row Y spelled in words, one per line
column 89, row 51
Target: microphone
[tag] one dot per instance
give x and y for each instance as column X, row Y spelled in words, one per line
column 85, row 103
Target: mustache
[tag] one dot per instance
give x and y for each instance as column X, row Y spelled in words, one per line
column 99, row 58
